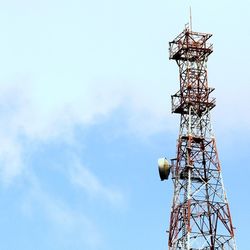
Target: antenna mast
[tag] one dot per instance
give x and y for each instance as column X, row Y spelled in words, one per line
column 190, row 18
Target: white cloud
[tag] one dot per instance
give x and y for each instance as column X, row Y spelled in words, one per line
column 10, row 146
column 72, row 227
column 60, row 72
column 81, row 176
column 27, row 117
column 39, row 111
column 11, row 163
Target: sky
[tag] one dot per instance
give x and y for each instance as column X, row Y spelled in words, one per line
column 85, row 113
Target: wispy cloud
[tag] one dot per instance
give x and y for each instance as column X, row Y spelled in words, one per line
column 83, row 178
column 11, row 163
column 11, row 153
column 73, row 227
column 37, row 112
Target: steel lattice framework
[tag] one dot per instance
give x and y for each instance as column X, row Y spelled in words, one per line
column 200, row 216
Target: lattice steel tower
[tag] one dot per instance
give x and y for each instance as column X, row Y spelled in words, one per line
column 200, row 216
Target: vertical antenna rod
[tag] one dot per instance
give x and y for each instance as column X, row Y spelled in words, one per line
column 190, row 17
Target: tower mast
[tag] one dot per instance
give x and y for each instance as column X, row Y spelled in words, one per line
column 200, row 216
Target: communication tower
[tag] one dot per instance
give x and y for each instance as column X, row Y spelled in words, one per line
column 200, row 216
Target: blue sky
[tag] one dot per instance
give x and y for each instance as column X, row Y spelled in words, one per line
column 85, row 113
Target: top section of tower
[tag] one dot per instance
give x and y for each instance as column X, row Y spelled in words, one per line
column 190, row 46
column 191, row 50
